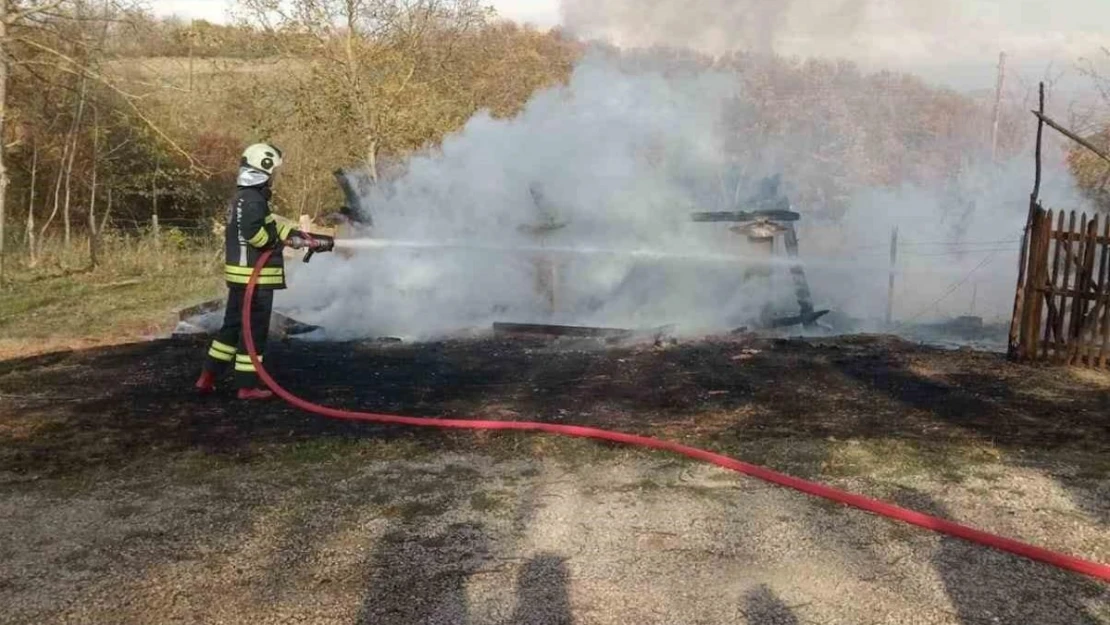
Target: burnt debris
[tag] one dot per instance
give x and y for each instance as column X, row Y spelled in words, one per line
column 763, row 218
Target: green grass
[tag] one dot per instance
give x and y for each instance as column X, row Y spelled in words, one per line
column 134, row 291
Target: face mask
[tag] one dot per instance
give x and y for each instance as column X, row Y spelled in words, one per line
column 250, row 177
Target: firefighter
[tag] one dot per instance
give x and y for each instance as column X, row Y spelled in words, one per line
column 252, row 229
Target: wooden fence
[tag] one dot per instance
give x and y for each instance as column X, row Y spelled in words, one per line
column 1062, row 306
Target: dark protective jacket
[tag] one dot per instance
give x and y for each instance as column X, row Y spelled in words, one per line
column 251, row 228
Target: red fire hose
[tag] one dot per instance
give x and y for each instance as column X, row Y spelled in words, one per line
column 1078, row 565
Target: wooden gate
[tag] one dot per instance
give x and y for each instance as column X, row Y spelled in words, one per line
column 1062, row 306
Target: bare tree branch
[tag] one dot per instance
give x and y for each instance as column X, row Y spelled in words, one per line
column 28, row 12
column 127, row 97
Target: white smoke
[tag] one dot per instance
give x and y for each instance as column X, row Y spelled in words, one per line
column 713, row 26
column 948, row 42
column 616, row 161
column 956, row 255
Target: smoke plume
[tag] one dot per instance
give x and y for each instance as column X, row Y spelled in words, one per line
column 713, row 26
column 578, row 210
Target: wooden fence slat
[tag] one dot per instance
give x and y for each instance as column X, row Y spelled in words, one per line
column 1084, row 282
column 1016, row 347
column 1104, row 353
column 1053, row 317
column 1044, row 227
column 1030, row 318
column 1062, row 313
column 1074, row 320
column 1091, row 307
column 1092, row 320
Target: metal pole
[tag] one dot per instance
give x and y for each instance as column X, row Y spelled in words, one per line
column 998, row 104
column 890, row 286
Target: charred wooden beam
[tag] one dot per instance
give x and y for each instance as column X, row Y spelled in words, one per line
column 806, row 319
column 797, row 272
column 556, row 330
column 352, row 209
column 203, row 308
column 742, row 216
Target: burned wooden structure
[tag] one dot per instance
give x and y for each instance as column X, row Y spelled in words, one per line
column 354, row 183
column 541, row 231
column 769, row 217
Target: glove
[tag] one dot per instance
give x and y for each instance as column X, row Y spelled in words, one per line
column 314, row 242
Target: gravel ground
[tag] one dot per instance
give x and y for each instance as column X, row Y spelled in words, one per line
column 628, row 538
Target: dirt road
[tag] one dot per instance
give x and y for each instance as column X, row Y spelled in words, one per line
column 126, row 500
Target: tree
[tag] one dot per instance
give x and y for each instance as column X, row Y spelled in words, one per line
column 22, row 23
column 1092, row 173
column 64, row 48
column 12, row 16
column 372, row 67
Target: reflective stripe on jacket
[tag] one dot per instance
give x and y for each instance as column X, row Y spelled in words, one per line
column 251, row 229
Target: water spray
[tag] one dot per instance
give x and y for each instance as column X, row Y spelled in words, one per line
column 657, row 255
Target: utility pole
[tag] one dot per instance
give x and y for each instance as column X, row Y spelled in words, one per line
column 890, row 286
column 998, row 104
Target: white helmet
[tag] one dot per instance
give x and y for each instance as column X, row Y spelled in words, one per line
column 263, row 157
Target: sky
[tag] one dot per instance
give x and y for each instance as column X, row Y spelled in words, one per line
column 957, row 46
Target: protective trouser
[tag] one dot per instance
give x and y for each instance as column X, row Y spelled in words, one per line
column 229, row 348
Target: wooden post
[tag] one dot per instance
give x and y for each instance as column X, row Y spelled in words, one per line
column 890, row 284
column 1019, row 338
column 798, row 274
column 1040, row 143
column 998, row 105
column 1016, row 328
column 1023, row 301
column 1031, row 311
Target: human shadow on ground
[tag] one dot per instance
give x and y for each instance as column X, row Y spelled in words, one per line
column 763, row 607
column 543, row 592
column 416, row 578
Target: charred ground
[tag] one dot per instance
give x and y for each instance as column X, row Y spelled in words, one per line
column 108, row 407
